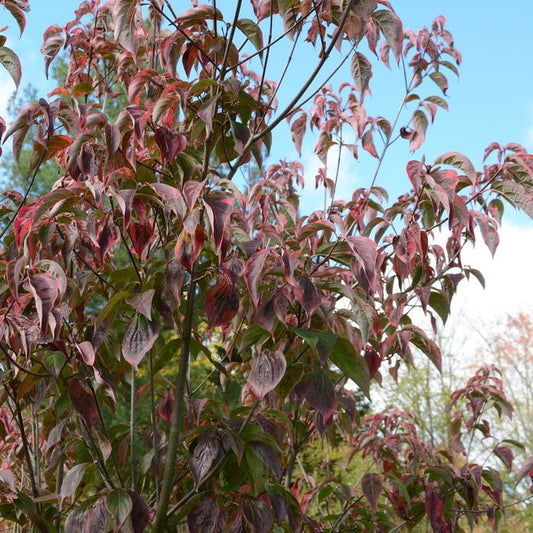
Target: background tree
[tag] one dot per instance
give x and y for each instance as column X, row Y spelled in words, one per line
column 147, row 256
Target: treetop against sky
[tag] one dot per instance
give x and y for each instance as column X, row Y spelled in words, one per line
column 490, row 101
column 172, row 340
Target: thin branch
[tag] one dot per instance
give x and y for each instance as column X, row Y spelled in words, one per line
column 154, row 423
column 26, row 194
column 292, row 104
column 25, row 443
column 178, row 415
column 132, row 431
column 229, row 41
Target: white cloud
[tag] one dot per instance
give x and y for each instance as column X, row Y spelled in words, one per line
column 311, row 198
column 508, row 287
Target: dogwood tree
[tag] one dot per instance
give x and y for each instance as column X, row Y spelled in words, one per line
column 147, row 255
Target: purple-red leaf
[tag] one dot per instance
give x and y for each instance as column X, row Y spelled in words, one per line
column 308, row 295
column 204, row 456
column 138, row 340
column 317, row 389
column 174, row 276
column 83, row 401
column 371, row 485
column 268, row 368
column 506, row 455
column 221, row 303
column 172, row 196
column 142, row 234
column 525, row 470
column 219, row 209
column 298, row 128
column 45, row 290
column 142, row 302
column 202, row 517
column 86, row 350
column 125, row 17
column 257, row 514
column 252, row 272
column 170, row 143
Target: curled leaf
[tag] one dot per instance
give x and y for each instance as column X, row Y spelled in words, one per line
column 138, row 340
column 268, row 368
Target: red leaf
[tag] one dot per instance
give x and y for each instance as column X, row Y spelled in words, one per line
column 252, row 272
column 166, row 407
column 221, row 302
column 191, row 191
column 172, row 196
column 170, row 143
column 308, row 295
column 188, row 248
column 298, row 128
column 372, row 486
column 268, row 369
column 83, row 401
column 204, row 456
column 219, row 207
column 138, row 340
column 506, row 455
column 142, row 234
column 45, row 290
column 368, row 143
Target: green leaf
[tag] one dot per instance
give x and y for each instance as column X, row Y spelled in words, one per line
column 352, row 364
column 440, row 80
column 10, row 61
column 322, row 341
column 119, row 505
column 253, row 32
column 440, row 304
column 72, row 480
column 254, row 336
column 112, row 307
column 459, row 161
column 361, row 70
column 391, row 26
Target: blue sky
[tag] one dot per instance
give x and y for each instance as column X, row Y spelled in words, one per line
column 492, row 100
